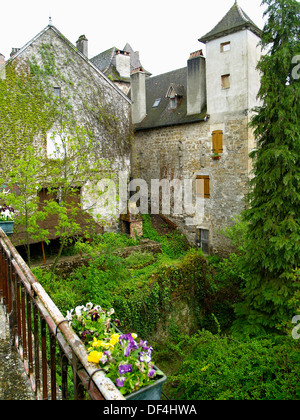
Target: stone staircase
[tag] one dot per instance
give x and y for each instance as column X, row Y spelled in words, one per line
column 14, row 384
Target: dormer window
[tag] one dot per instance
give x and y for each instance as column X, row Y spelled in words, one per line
column 225, row 46
column 174, row 93
column 173, row 103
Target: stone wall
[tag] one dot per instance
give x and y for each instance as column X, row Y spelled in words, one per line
column 67, row 265
column 185, row 152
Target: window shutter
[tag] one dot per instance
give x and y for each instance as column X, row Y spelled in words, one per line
column 217, row 140
column 206, row 187
column 202, row 186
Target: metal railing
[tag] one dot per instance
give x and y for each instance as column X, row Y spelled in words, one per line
column 54, row 358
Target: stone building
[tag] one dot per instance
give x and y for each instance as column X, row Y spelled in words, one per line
column 192, row 124
column 97, row 104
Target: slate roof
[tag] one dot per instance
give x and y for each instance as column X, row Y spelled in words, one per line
column 106, row 61
column 233, row 21
column 157, row 87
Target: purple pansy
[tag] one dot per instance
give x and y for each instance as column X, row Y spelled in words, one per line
column 120, row 381
column 125, row 369
column 151, row 373
column 145, row 356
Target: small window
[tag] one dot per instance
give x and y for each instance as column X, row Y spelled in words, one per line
column 173, row 103
column 55, row 147
column 57, row 92
column 217, row 141
column 225, row 46
column 202, row 240
column 225, row 81
column 202, row 186
column 156, row 103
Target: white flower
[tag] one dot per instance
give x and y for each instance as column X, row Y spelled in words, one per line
column 88, row 306
column 78, row 310
column 69, row 315
column 110, row 312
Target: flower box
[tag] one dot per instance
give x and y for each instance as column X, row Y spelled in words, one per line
column 126, row 360
column 150, row 392
column 7, row 226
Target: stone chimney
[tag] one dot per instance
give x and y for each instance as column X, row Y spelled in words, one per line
column 123, row 64
column 14, row 51
column 2, row 67
column 138, row 95
column 196, row 83
column 82, row 45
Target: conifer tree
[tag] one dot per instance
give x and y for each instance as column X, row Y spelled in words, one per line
column 273, row 211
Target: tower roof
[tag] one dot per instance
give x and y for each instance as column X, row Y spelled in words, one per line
column 235, row 20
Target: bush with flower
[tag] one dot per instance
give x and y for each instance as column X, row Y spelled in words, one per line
column 124, row 358
column 7, row 213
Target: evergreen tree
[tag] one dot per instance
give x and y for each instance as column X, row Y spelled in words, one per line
column 273, row 211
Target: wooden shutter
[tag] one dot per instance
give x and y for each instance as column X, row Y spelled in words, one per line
column 202, row 186
column 217, row 141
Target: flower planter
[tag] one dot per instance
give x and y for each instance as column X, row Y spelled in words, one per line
column 128, row 363
column 148, row 393
column 7, row 226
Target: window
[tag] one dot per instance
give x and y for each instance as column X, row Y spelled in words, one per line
column 225, row 81
column 202, row 240
column 57, row 92
column 202, row 186
column 173, row 103
column 225, row 46
column 217, row 141
column 156, row 103
column 55, row 147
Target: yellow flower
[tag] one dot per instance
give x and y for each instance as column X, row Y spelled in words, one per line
column 134, row 336
column 94, row 357
column 114, row 339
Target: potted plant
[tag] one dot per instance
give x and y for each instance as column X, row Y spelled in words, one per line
column 6, row 219
column 124, row 358
column 216, row 156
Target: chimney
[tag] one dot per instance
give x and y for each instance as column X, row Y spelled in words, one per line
column 123, row 64
column 14, row 51
column 196, row 83
column 138, row 95
column 2, row 67
column 82, row 45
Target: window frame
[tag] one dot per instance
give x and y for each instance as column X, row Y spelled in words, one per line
column 227, row 78
column 225, row 44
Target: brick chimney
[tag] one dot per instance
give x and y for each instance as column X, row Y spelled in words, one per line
column 196, row 83
column 138, row 95
column 82, row 45
column 2, row 67
column 123, row 64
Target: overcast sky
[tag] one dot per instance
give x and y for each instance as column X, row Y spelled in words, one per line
column 165, row 32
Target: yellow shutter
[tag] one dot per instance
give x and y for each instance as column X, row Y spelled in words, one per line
column 202, row 186
column 217, row 141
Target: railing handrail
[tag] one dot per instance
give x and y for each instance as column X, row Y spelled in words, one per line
column 104, row 384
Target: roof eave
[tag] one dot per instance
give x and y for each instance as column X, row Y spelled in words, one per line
column 254, row 29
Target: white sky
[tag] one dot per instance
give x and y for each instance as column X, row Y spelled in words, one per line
column 165, row 32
